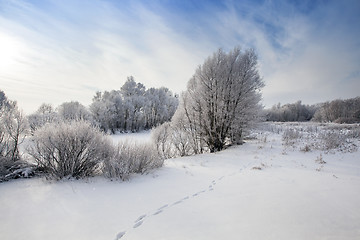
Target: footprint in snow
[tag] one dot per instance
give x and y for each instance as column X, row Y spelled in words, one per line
column 165, row 206
column 140, row 218
column 175, row 203
column 138, row 224
column 120, row 235
column 158, row 212
column 198, row 193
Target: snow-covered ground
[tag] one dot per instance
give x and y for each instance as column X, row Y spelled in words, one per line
column 260, row 190
column 140, row 137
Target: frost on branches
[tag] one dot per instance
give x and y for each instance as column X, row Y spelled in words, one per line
column 222, row 99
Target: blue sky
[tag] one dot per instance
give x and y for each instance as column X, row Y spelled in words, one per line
column 57, row 51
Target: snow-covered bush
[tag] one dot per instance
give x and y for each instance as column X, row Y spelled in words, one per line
column 132, row 157
column 290, row 136
column 332, row 140
column 173, row 139
column 310, row 136
column 161, row 137
column 70, row 149
column 18, row 169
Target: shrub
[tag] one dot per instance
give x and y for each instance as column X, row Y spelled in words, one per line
column 132, row 157
column 161, row 136
column 332, row 140
column 72, row 149
column 290, row 136
column 18, row 169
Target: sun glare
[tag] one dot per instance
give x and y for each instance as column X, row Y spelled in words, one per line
column 10, row 50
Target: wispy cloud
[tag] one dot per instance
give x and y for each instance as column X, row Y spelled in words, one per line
column 66, row 50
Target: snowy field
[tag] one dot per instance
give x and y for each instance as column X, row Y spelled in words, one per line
column 272, row 187
column 140, row 137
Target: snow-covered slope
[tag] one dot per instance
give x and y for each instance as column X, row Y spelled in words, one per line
column 260, row 190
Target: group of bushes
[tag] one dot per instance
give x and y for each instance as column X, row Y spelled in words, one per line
column 76, row 149
column 317, row 136
column 66, row 148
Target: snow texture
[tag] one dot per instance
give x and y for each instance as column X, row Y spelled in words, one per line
column 260, row 190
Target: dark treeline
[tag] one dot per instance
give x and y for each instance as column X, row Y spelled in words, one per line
column 339, row 111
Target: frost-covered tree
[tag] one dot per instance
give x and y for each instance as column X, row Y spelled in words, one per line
column 294, row 112
column 74, row 110
column 134, row 101
column 45, row 114
column 160, row 106
column 341, row 111
column 222, row 98
column 108, row 111
column 13, row 129
column 133, row 108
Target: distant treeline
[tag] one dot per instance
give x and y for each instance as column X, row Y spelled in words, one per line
column 339, row 111
column 132, row 108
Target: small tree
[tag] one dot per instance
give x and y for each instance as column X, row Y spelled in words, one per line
column 222, row 98
column 70, row 111
column 13, row 129
column 45, row 114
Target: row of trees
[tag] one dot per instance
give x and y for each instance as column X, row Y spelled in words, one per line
column 293, row 112
column 132, row 108
column 339, row 111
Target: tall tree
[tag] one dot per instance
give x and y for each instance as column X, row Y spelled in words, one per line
column 223, row 97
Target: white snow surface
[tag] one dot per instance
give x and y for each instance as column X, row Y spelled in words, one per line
column 258, row 190
column 140, row 137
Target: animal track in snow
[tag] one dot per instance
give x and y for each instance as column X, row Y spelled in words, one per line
column 165, row 206
column 177, row 202
column 158, row 212
column 140, row 218
column 138, row 224
column 120, row 235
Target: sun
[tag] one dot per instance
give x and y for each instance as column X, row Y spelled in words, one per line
column 10, row 50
